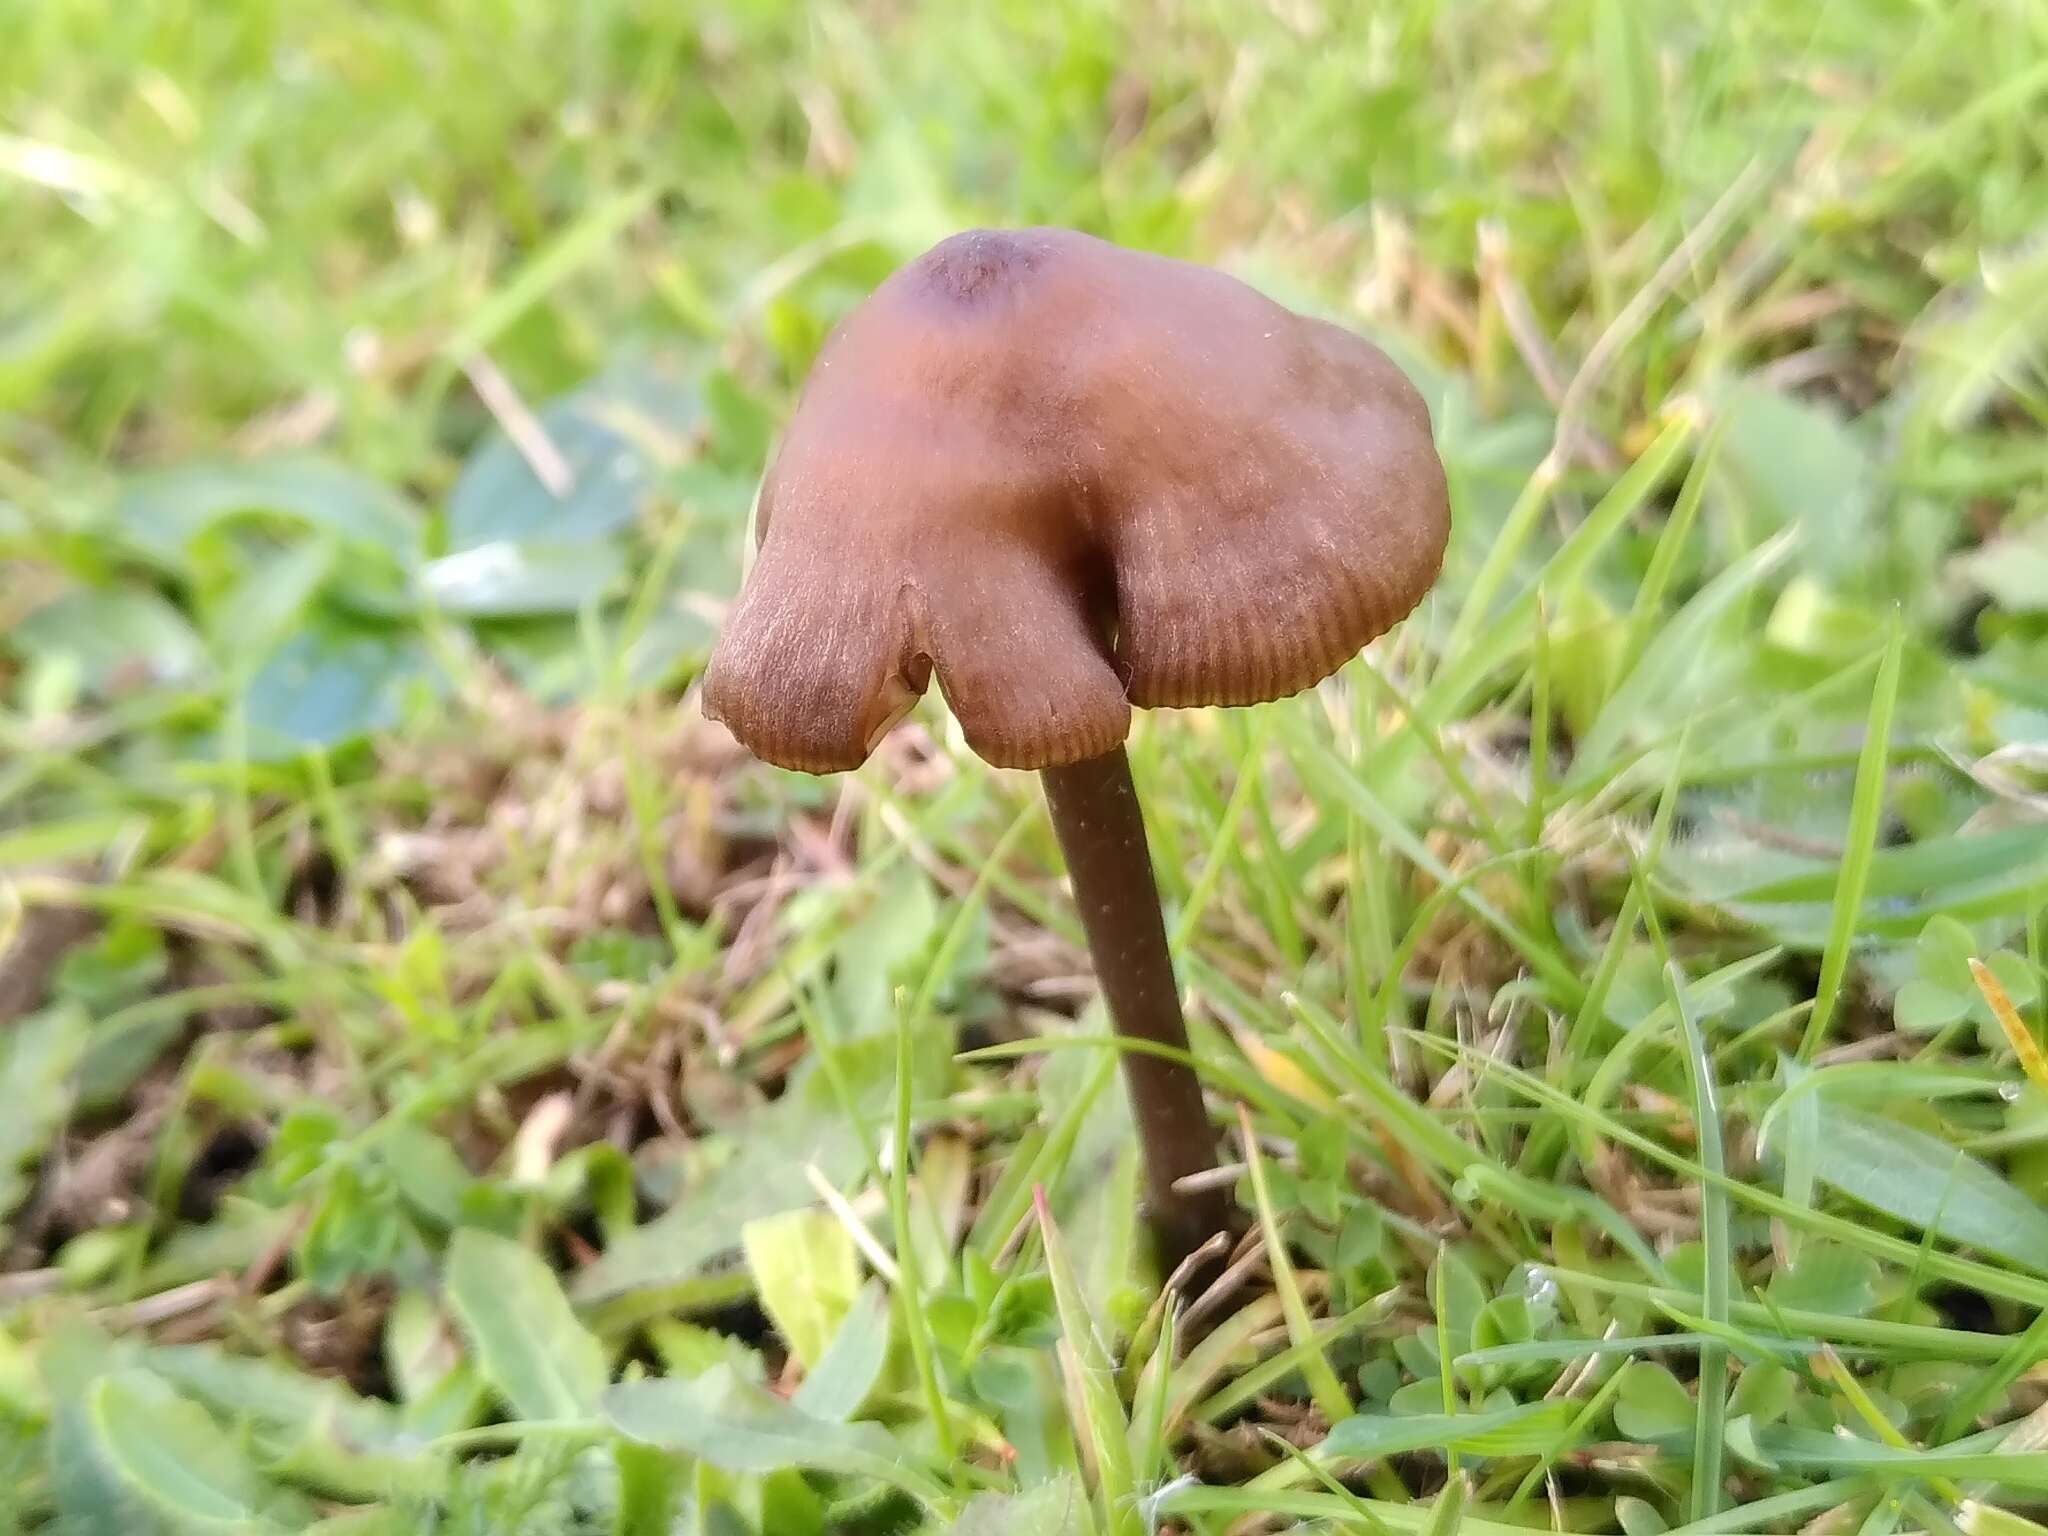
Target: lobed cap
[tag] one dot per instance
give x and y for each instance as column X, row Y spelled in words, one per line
column 1070, row 478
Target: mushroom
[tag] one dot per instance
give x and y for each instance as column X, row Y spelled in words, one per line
column 1070, row 478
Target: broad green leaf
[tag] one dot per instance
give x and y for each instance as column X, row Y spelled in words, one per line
column 543, row 1362
column 163, row 514
column 1967, row 876
column 309, row 1429
column 1639, row 1517
column 1525, row 1430
column 37, row 1058
column 1795, row 464
column 1922, row 869
column 1763, row 1394
column 612, row 439
column 333, row 683
column 840, row 1382
column 428, row 1172
column 764, row 1174
column 269, row 1393
column 806, row 1274
column 2013, row 569
column 1924, row 1181
column 175, row 1458
column 1652, row 1404
column 741, row 1427
column 1945, row 991
column 72, row 1359
column 2016, row 974
column 1057, row 1508
column 1826, row 1277
column 504, row 580
column 118, row 638
column 1925, row 1008
column 1943, row 953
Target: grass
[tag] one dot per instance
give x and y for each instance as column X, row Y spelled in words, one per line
column 452, row 1090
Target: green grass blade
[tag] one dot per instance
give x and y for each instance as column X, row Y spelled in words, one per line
column 1328, row 1392
column 1108, row 1430
column 1866, row 814
column 1473, row 655
column 2028, row 1289
column 1648, row 611
column 1516, row 530
column 909, row 1283
column 1710, row 1431
column 1217, row 857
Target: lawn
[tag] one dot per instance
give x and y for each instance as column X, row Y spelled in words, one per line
column 449, row 1087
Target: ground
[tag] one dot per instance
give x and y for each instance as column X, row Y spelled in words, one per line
column 452, row 1088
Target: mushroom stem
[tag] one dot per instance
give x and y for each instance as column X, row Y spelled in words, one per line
column 1101, row 830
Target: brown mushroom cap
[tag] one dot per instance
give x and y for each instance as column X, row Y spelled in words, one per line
column 1071, row 478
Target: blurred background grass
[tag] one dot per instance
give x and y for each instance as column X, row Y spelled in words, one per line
column 250, row 230
column 382, row 392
